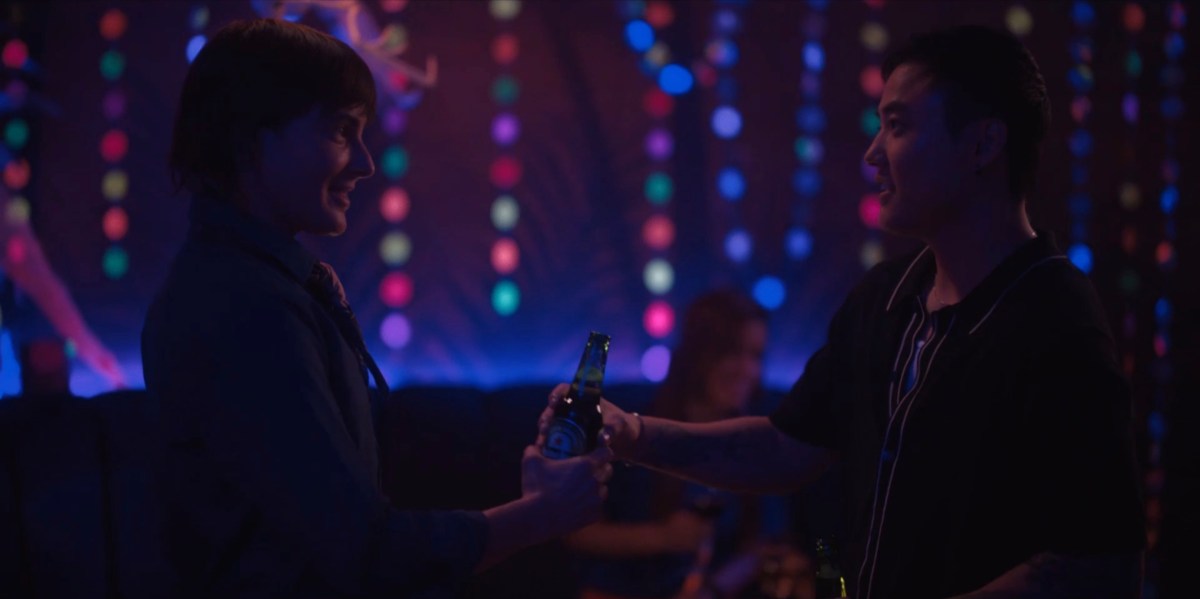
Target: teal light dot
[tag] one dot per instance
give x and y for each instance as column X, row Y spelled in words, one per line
column 505, row 213
column 659, row 188
column 395, row 248
column 16, row 133
column 1133, row 64
column 506, row 297
column 394, row 162
column 112, row 65
column 505, row 90
column 116, row 262
column 870, row 122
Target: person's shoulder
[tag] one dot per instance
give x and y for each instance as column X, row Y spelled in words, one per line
column 883, row 280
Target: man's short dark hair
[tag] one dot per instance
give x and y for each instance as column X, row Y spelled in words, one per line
column 986, row 73
column 255, row 74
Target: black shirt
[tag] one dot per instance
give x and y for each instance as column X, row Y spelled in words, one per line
column 272, row 482
column 1015, row 435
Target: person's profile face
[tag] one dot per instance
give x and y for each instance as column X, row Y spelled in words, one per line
column 307, row 169
column 921, row 168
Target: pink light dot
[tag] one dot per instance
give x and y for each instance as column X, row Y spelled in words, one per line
column 506, row 256
column 16, row 174
column 868, row 210
column 396, row 290
column 15, row 54
column 659, row 232
column 505, row 172
column 394, row 205
column 114, row 145
column 17, row 252
column 659, row 319
column 115, row 223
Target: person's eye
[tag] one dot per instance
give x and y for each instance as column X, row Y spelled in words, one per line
column 895, row 126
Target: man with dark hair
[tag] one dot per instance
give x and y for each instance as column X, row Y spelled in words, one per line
column 971, row 390
column 258, row 366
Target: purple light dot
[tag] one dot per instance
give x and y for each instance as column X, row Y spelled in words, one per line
column 505, row 129
column 810, row 84
column 655, row 363
column 114, row 105
column 394, row 121
column 1129, row 108
column 17, row 91
column 395, row 331
column 659, row 144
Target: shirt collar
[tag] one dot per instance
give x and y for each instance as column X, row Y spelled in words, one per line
column 979, row 304
column 222, row 219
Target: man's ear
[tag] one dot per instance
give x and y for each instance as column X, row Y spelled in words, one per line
column 991, row 139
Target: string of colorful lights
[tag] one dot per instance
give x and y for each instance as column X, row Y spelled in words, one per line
column 114, row 145
column 15, row 58
column 505, row 171
column 874, row 37
column 1081, row 78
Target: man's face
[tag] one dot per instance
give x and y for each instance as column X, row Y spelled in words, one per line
column 307, row 170
column 922, row 170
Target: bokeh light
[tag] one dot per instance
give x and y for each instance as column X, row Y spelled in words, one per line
column 112, row 65
column 16, row 174
column 658, row 55
column 194, row 46
column 809, row 150
column 811, row 119
column 656, row 361
column 506, row 257
column 15, row 54
column 1133, row 17
column 639, row 35
column 113, row 24
column 394, row 204
column 868, row 210
column 395, row 249
column 505, row 213
column 115, row 262
column 114, row 145
column 506, row 298
column 17, row 213
column 16, row 250
column 659, row 188
column 807, row 182
column 505, row 172
column 722, row 53
column 1081, row 256
column 394, row 162
column 731, row 184
column 675, row 80
column 870, row 122
column 769, row 292
column 726, row 122
column 395, row 331
column 505, row 90
column 504, row 10
column 658, row 103
column 658, row 276
column 396, row 289
column 1018, row 20
column 871, row 81
column 658, row 232
column 505, row 129
column 659, row 319
column 870, row 254
column 798, row 243
column 199, row 17
column 16, row 133
column 659, row 144
column 738, row 245
column 1130, row 196
column 114, row 186
column 115, row 223
column 874, row 37
column 113, row 104
column 505, row 49
column 659, row 13
column 814, row 56
column 1169, row 199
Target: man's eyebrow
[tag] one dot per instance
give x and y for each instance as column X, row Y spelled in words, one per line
column 893, row 106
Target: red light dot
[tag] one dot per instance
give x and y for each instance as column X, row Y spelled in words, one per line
column 705, row 74
column 874, row 3
column 659, row 319
column 16, row 174
column 15, row 54
column 505, row 256
column 659, row 14
column 505, row 49
column 392, row 5
column 396, row 290
column 506, row 172
column 658, row 103
column 16, row 250
column 1160, row 346
column 115, row 223
column 394, row 205
column 659, row 232
column 114, row 145
column 871, row 80
column 113, row 24
column 1134, row 17
column 1164, row 252
column 868, row 210
column 398, row 81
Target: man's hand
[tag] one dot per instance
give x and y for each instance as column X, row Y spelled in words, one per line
column 621, row 429
column 569, row 493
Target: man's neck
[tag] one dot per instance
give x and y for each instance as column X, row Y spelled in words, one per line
column 967, row 250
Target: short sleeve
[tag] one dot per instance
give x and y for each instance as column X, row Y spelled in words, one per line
column 807, row 412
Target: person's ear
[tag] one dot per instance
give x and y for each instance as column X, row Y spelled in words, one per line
column 991, row 139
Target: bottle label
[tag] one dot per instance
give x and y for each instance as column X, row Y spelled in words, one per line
column 564, row 439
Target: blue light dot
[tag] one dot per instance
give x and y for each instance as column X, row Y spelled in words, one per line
column 1162, row 311
column 726, row 122
column 769, row 292
column 1080, row 143
column 1156, row 424
column 814, row 56
column 1079, row 205
column 1081, row 78
column 194, row 45
column 807, row 182
column 1172, row 108
column 1169, row 199
column 811, row 119
column 799, row 244
column 731, row 184
column 1079, row 174
column 1173, row 45
column 818, row 4
column 639, row 35
column 726, row 89
column 655, row 363
column 1082, row 13
column 738, row 245
column 675, row 80
column 1081, row 257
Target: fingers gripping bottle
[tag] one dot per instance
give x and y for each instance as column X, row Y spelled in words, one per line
column 577, row 420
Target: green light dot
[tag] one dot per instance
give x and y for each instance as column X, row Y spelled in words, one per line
column 112, row 64
column 394, row 162
column 396, row 248
column 1130, row 282
column 116, row 262
column 505, row 213
column 18, row 211
column 16, row 133
column 658, row 276
column 870, row 122
column 114, row 185
column 505, row 90
column 506, row 297
column 1133, row 64
column 659, row 188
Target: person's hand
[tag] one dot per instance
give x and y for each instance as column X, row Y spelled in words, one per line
column 571, row 492
column 97, row 357
column 684, row 531
column 621, row 428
